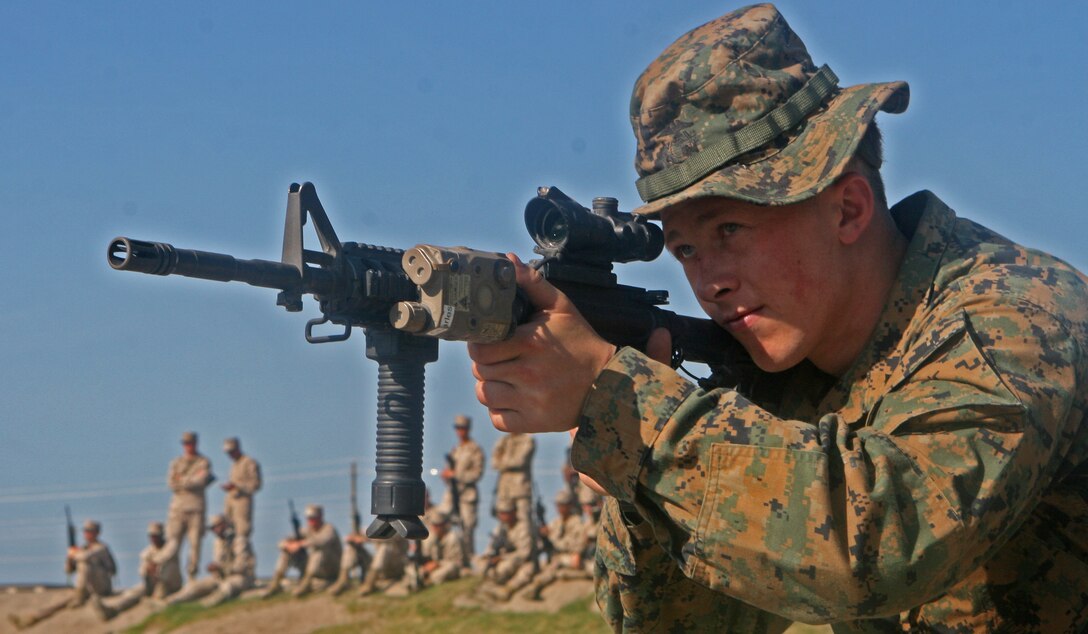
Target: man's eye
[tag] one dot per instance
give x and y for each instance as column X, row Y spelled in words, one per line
column 728, row 228
column 683, row 252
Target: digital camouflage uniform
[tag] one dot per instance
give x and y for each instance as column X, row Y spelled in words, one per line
column 940, row 484
column 188, row 477
column 245, row 475
column 512, row 457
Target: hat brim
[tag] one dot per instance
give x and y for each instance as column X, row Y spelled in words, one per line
column 808, row 163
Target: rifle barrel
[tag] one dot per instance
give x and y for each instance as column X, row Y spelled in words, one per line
column 160, row 258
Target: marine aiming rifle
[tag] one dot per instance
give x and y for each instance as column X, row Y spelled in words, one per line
column 405, row 300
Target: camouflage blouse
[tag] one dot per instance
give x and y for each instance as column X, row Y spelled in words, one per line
column 940, row 484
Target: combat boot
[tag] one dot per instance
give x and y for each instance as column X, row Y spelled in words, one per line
column 367, row 587
column 103, row 611
column 274, row 587
column 21, row 622
column 214, row 599
column 338, row 587
column 304, row 588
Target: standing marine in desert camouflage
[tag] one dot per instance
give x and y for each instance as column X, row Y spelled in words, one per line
column 189, row 476
column 467, row 469
column 240, row 488
column 512, row 457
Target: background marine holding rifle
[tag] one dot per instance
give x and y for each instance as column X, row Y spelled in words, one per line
column 909, row 452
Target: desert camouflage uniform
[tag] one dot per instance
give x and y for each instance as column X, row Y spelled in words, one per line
column 512, row 457
column 516, row 563
column 160, row 576
column 188, row 478
column 94, row 567
column 245, row 474
column 387, row 566
column 323, row 556
column 468, row 468
column 939, row 485
column 568, row 537
column 449, row 553
column 235, row 572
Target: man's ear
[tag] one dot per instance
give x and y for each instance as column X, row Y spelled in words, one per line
column 857, row 205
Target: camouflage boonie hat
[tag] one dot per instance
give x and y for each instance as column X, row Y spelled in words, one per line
column 92, row 526
column 314, row 510
column 188, row 438
column 155, row 528
column 462, row 421
column 736, row 108
column 231, row 444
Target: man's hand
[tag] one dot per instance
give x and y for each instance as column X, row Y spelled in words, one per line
column 658, row 348
column 537, row 380
column 213, row 567
column 447, row 474
column 227, row 486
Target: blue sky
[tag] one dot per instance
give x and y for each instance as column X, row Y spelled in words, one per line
column 418, row 122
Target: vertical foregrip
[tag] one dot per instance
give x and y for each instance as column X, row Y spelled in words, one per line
column 397, row 493
column 399, row 452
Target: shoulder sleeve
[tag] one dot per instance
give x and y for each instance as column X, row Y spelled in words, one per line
column 833, row 519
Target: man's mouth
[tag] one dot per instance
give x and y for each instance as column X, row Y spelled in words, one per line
column 742, row 319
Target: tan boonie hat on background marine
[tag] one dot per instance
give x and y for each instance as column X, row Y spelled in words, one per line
column 92, row 526
column 231, row 444
column 188, row 437
column 736, row 108
column 154, row 528
column 462, row 421
column 314, row 510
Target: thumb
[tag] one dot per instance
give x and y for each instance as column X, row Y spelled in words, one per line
column 539, row 291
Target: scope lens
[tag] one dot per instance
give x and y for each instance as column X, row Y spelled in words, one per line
column 554, row 228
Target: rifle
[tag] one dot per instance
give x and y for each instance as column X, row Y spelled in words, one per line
column 404, row 300
column 356, row 519
column 455, row 494
column 71, row 541
column 71, row 527
column 300, row 556
column 546, row 544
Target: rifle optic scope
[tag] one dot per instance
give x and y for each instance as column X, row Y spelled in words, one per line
column 558, row 223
